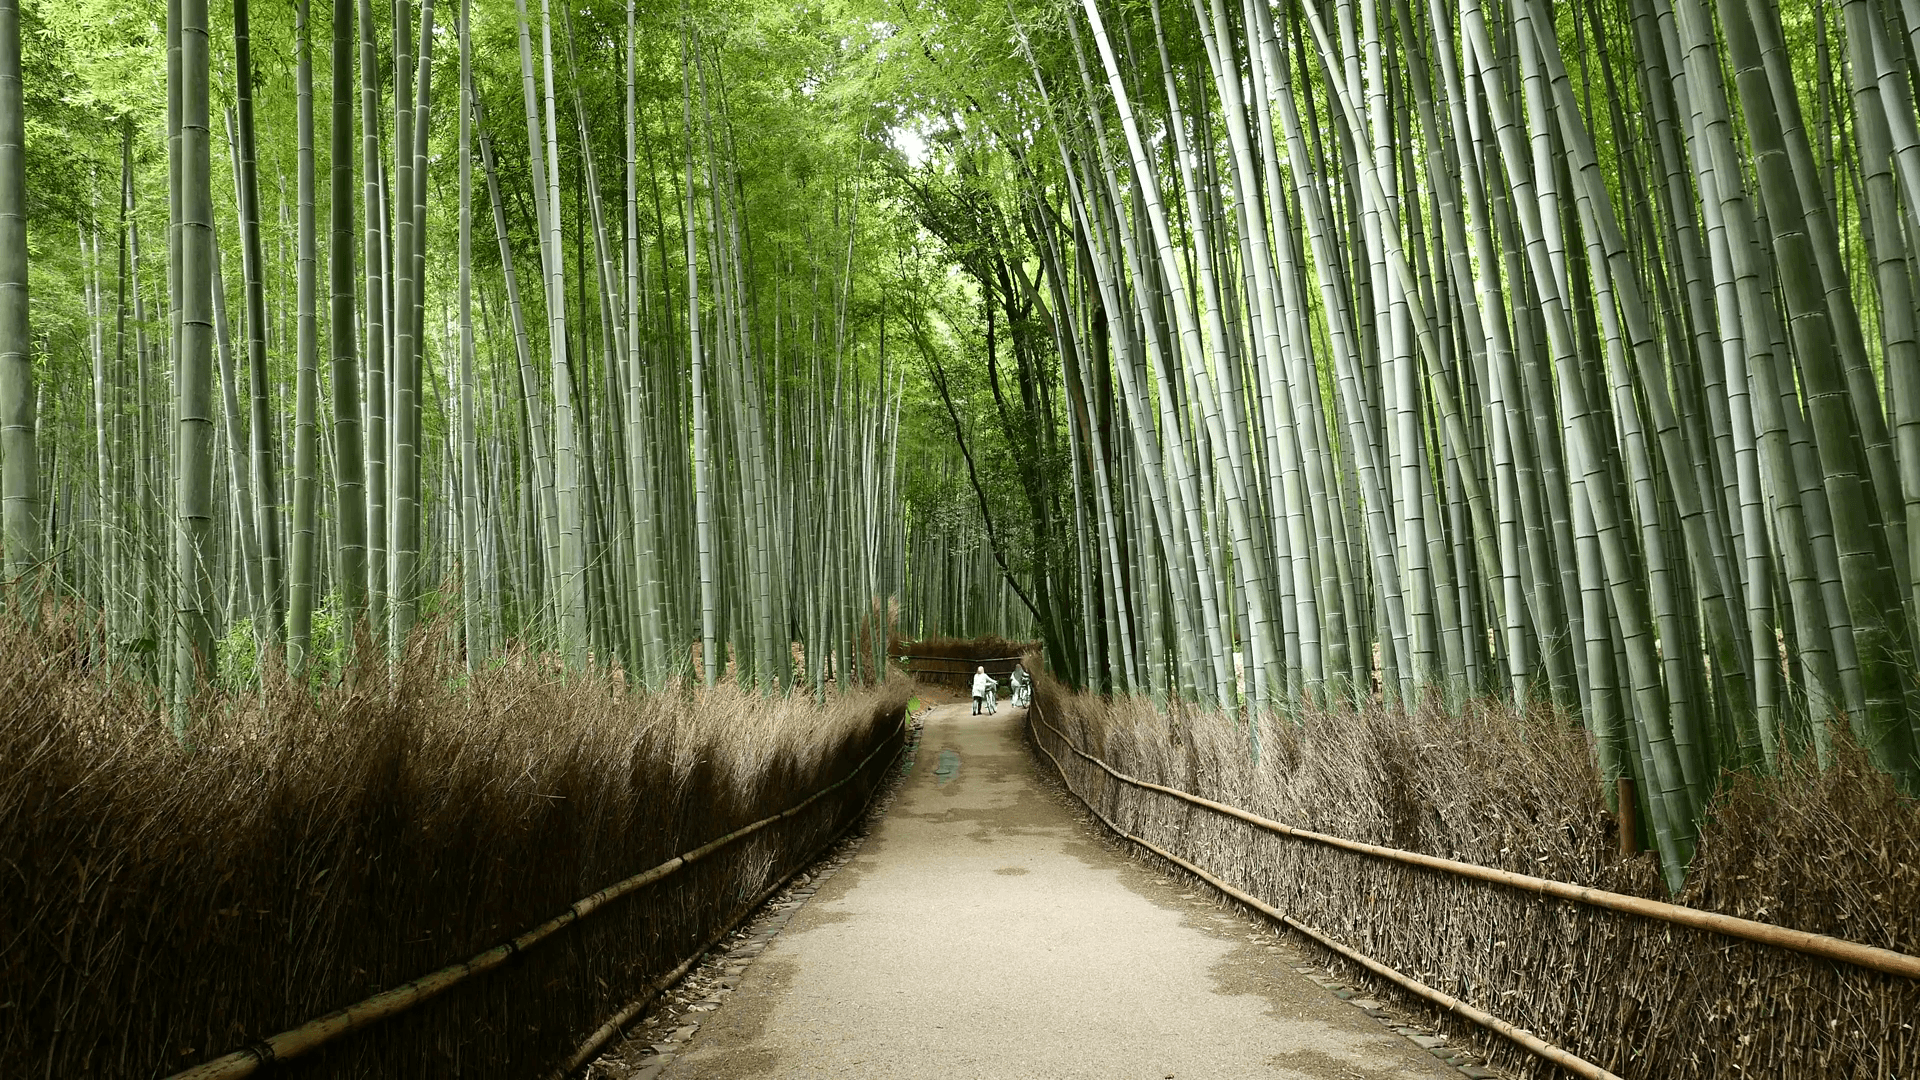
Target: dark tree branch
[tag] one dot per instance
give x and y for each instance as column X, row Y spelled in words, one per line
column 966, row 451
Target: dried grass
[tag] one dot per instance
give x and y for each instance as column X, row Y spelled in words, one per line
column 160, row 905
column 970, row 650
column 980, row 648
column 1834, row 852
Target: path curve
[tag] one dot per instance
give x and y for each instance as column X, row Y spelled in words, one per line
column 982, row 931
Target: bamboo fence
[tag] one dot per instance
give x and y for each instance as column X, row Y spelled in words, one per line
column 1596, row 981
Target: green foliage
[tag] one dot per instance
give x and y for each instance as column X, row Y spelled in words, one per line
column 237, row 657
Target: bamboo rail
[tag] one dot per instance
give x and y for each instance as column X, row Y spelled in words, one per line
column 1526, row 1040
column 318, row 1032
column 1821, row 945
column 959, row 659
column 958, row 668
column 964, row 664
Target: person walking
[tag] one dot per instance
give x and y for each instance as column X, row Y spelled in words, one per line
column 1022, row 686
column 982, row 685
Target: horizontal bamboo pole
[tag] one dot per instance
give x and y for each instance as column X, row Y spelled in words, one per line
column 318, row 1032
column 961, row 660
column 590, row 1047
column 1539, row 1047
column 1526, row 1040
column 1821, row 945
column 602, row 1035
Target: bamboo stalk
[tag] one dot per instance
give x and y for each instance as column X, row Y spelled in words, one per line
column 20, row 482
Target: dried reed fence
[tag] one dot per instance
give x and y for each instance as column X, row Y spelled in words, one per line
column 965, row 653
column 1833, row 853
column 160, row 906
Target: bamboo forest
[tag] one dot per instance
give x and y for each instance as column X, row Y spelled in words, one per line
column 475, row 450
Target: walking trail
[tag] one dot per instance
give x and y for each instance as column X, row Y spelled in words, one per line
column 983, row 931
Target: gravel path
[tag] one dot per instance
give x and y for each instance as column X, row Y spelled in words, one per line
column 983, row 931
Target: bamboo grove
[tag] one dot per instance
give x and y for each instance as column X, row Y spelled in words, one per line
column 1270, row 356
column 488, row 329
column 1561, row 352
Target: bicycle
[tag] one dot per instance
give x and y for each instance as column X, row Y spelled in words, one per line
column 1022, row 695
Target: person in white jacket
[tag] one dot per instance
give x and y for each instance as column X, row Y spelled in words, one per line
column 983, row 684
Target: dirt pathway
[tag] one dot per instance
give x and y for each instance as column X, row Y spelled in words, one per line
column 982, row 931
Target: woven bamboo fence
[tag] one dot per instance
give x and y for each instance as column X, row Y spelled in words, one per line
column 1829, row 853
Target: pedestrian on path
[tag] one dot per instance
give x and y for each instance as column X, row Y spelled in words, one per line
column 983, row 685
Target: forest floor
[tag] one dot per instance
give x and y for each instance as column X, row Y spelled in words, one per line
column 983, row 929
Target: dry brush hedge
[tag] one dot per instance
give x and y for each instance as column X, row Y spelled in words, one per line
column 964, row 652
column 1833, row 853
column 161, row 906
